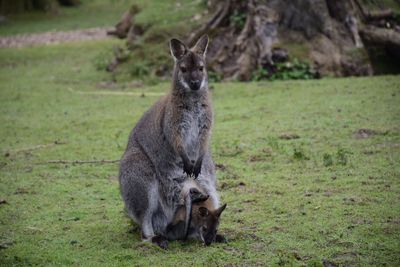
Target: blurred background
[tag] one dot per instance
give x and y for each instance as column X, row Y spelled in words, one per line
column 251, row 40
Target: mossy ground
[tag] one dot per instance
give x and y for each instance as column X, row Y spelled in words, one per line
column 304, row 185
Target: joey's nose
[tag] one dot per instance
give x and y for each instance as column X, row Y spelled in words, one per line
column 195, row 84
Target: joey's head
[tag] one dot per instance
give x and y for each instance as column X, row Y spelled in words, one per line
column 206, row 223
column 190, row 72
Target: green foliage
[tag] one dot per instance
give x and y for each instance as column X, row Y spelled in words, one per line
column 103, row 59
column 260, row 74
column 140, row 68
column 328, row 160
column 299, row 154
column 214, row 76
column 295, row 70
column 238, row 19
column 341, row 158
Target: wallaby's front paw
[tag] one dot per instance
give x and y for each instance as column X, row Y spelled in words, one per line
column 160, row 240
column 188, row 167
column 197, row 196
column 197, row 168
column 220, row 239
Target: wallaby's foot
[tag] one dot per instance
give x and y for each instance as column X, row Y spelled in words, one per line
column 160, row 240
column 220, row 239
column 197, row 196
column 197, row 168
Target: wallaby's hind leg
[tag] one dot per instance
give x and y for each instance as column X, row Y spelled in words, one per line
column 139, row 190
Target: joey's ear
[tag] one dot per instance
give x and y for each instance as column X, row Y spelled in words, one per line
column 203, row 211
column 178, row 49
column 220, row 210
column 201, row 45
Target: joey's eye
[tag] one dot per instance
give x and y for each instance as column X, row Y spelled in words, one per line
column 183, row 69
column 201, row 68
column 204, row 228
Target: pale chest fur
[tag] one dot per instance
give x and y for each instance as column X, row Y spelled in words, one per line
column 193, row 124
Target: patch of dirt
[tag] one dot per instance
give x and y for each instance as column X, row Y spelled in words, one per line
column 346, row 257
column 220, row 166
column 300, row 257
column 49, row 38
column 276, row 229
column 289, row 136
column 364, row 133
column 5, row 245
column 264, row 155
column 113, row 178
column 327, row 263
column 21, row 191
column 258, row 247
column 244, row 236
column 349, row 200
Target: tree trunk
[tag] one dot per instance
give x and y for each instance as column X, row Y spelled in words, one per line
column 245, row 34
column 250, row 37
column 126, row 24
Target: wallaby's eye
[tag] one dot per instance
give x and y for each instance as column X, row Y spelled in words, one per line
column 183, row 69
column 204, row 228
column 201, row 68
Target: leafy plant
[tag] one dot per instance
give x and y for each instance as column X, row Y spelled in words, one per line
column 341, row 156
column 260, row 74
column 299, row 154
column 238, row 19
column 294, row 70
column 140, row 69
column 214, row 76
column 328, row 160
column 103, row 59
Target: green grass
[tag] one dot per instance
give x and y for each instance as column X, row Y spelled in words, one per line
column 325, row 196
column 101, row 13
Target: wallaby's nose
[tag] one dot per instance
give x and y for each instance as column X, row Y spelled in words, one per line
column 195, row 84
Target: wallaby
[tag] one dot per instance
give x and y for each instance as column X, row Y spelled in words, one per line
column 198, row 218
column 169, row 142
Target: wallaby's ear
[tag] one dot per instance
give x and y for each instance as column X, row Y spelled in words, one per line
column 201, row 46
column 178, row 49
column 203, row 211
column 220, row 210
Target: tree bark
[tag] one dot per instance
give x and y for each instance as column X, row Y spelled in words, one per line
column 381, row 36
column 123, row 27
column 330, row 27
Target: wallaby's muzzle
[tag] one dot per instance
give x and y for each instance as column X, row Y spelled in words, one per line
column 195, row 85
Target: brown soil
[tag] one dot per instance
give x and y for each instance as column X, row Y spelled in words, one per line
column 48, row 38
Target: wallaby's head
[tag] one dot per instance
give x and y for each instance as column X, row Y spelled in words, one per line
column 206, row 222
column 190, row 72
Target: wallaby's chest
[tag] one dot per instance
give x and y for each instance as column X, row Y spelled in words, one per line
column 193, row 122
